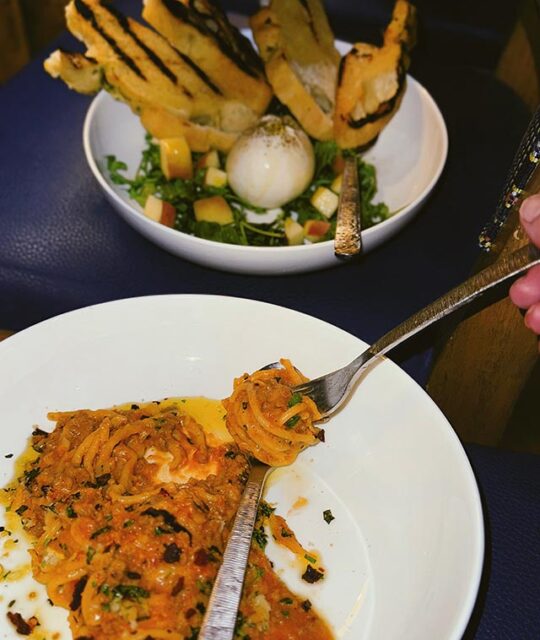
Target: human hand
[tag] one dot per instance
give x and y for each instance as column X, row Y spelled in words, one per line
column 525, row 292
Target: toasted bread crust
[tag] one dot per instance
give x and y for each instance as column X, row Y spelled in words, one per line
column 161, row 123
column 372, row 82
column 80, row 73
column 138, row 65
column 226, row 57
column 301, row 62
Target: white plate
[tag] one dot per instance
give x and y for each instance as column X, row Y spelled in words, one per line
column 409, row 157
column 404, row 554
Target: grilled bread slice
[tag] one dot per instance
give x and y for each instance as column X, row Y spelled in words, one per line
column 80, row 73
column 140, row 67
column 372, row 81
column 297, row 46
column 202, row 33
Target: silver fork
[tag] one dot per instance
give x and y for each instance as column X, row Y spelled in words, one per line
column 329, row 392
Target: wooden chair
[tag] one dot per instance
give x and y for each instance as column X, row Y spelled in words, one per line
column 480, row 373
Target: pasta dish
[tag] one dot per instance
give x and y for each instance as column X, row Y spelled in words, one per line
column 129, row 509
column 268, row 420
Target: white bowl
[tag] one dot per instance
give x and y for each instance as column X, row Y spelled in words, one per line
column 404, row 553
column 409, row 157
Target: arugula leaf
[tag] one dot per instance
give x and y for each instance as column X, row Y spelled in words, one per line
column 150, row 180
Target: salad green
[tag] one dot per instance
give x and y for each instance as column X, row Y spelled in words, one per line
column 182, row 193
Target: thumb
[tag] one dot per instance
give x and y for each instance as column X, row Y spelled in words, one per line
column 529, row 215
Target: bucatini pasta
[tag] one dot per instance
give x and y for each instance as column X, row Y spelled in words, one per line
column 129, row 510
column 268, row 420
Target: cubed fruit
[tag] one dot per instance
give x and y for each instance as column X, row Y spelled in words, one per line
column 215, row 209
column 159, row 211
column 315, row 230
column 215, row 177
column 209, row 159
column 336, row 184
column 325, row 201
column 294, row 232
column 175, row 158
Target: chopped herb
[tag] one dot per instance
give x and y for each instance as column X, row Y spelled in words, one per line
column 129, row 592
column 310, row 558
column 214, row 553
column 286, row 601
column 230, row 454
column 90, row 553
column 133, row 575
column 312, row 575
column 21, row 510
column 306, row 605
column 172, row 553
column 204, row 586
column 260, row 537
column 296, row 398
column 70, row 512
column 285, row 533
column 128, row 523
column 327, row 515
column 77, row 593
column 8, row 455
column 30, row 476
column 11, row 603
column 200, row 608
column 265, row 509
column 194, row 633
column 172, row 524
column 98, row 532
column 291, row 422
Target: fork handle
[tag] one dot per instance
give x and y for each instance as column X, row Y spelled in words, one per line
column 220, row 617
column 505, row 268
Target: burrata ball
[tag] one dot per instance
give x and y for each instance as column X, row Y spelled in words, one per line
column 271, row 163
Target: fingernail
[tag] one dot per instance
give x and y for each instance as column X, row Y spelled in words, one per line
column 530, row 210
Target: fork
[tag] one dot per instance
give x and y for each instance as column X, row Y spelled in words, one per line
column 329, row 392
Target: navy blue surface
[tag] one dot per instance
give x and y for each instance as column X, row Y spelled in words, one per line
column 62, row 247
column 507, row 606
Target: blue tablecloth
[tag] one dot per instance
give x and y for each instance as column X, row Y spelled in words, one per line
column 63, row 247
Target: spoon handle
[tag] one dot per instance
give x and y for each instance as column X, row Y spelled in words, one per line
column 348, row 238
column 220, row 617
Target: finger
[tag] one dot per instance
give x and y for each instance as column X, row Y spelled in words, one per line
column 526, row 291
column 532, row 318
column 529, row 215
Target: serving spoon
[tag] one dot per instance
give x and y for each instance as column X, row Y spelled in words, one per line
column 329, row 392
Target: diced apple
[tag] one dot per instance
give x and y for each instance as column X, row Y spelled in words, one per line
column 210, row 159
column 175, row 158
column 325, row 201
column 215, row 177
column 215, row 209
column 294, row 232
column 315, row 230
column 159, row 211
column 336, row 184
